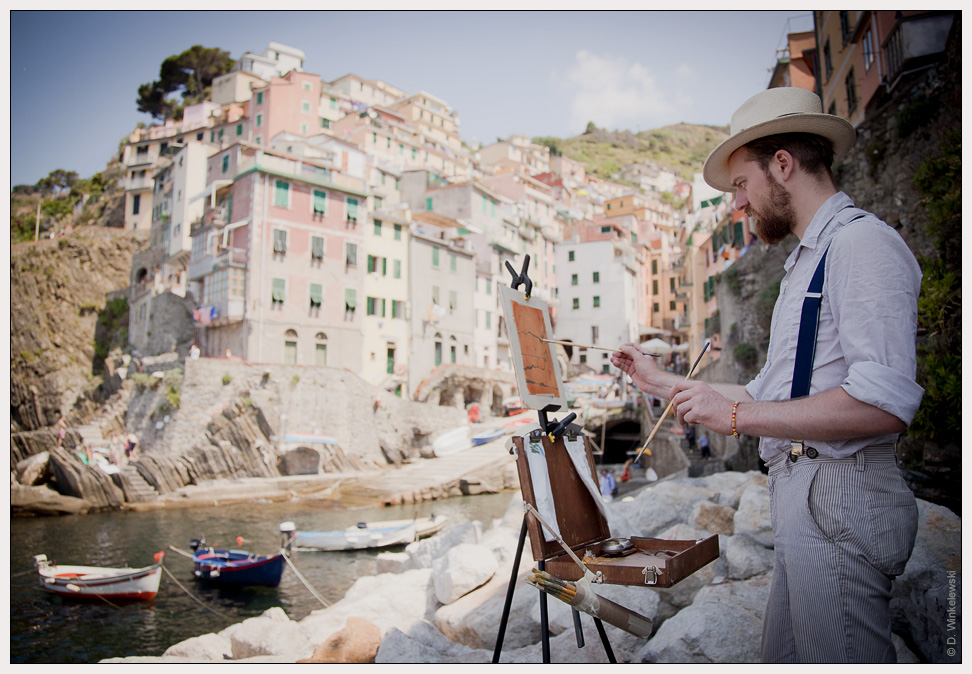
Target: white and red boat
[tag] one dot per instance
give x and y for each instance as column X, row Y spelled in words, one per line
column 98, row 582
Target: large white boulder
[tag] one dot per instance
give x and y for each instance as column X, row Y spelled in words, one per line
column 926, row 600
column 463, row 568
column 657, row 508
column 392, row 562
column 746, row 558
column 752, row 517
column 204, row 647
column 730, row 485
column 388, row 600
column 426, row 551
column 270, row 635
column 724, row 624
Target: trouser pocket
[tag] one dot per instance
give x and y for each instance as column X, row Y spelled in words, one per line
column 825, row 500
column 893, row 522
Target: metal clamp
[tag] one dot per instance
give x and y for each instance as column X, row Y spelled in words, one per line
column 650, row 571
column 798, row 448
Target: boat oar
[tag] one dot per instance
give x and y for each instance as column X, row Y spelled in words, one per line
column 670, row 402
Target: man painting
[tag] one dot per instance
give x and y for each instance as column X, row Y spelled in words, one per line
column 844, row 521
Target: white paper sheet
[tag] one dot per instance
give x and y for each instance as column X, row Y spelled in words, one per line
column 537, row 463
column 578, row 455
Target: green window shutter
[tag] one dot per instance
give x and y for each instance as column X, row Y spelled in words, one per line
column 320, row 202
column 316, row 294
column 212, row 136
column 489, row 319
column 279, row 292
column 401, row 149
column 259, row 97
column 333, row 104
column 492, row 205
column 370, row 306
column 739, row 238
column 452, row 354
column 350, row 299
column 413, row 152
column 489, row 286
column 378, row 202
column 229, row 208
column 438, row 353
column 573, row 279
column 428, row 203
column 453, row 300
column 352, row 209
column 317, row 248
column 398, row 269
column 382, row 307
column 384, row 266
column 435, row 295
column 221, row 134
column 239, row 129
column 351, row 254
column 435, row 257
column 576, row 303
column 597, row 277
column 452, row 262
column 597, row 300
column 377, row 227
column 485, row 201
column 570, row 256
column 282, row 194
column 325, row 123
column 225, row 163
column 398, row 232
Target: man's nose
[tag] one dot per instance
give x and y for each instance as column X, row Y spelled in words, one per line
column 741, row 200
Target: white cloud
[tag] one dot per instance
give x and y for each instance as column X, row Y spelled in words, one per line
column 617, row 94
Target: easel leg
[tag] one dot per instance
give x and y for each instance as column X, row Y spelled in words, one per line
column 544, row 624
column 578, row 630
column 509, row 593
column 604, row 640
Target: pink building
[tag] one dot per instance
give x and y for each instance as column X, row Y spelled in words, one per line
column 278, row 261
column 289, row 103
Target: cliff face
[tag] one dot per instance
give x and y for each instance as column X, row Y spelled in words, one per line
column 58, row 291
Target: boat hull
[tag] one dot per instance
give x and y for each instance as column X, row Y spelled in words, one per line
column 354, row 538
column 237, row 567
column 98, row 583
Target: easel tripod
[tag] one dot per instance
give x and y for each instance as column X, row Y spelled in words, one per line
column 552, row 430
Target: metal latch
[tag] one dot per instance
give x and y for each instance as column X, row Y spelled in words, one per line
column 651, row 575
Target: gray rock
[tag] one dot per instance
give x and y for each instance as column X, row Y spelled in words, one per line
column 746, row 558
column 657, row 508
column 392, row 562
column 753, row 518
column 426, row 551
column 502, row 542
column 922, row 595
column 463, row 568
column 730, row 484
column 724, row 624
column 716, row 519
column 425, row 644
column 44, row 501
column 273, row 634
column 904, row 655
column 204, row 647
column 34, row 469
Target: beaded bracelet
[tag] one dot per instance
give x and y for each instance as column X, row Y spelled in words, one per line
column 735, row 434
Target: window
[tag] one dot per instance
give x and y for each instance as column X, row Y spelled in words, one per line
column 305, row 106
column 306, row 86
column 413, row 153
column 281, row 196
column 401, row 149
column 845, row 28
column 594, row 334
column 259, row 120
column 225, row 163
column 258, row 140
column 390, row 368
column 352, row 205
column 489, row 319
column 398, row 232
column 606, row 229
column 597, row 277
column 320, row 354
column 869, row 53
column 317, row 247
column 851, row 91
column 576, row 303
column 485, row 203
column 671, row 284
column 303, row 128
column 654, row 287
column 435, row 257
column 453, row 301
column 452, row 262
column 655, row 307
column 828, row 64
column 378, row 202
column 316, row 295
column 371, row 303
column 350, row 300
column 377, row 227
column 438, row 353
column 489, row 286
column 136, row 203
column 279, row 241
column 597, row 301
column 671, row 305
column 259, row 97
column 573, row 279
column 220, row 134
column 570, row 256
column 333, row 104
column 452, row 353
column 351, row 254
column 398, row 309
column 320, row 202
column 428, row 203
column 397, row 268
column 654, row 266
column 372, row 264
column 435, row 295
column 279, row 290
column 239, row 129
column 290, row 353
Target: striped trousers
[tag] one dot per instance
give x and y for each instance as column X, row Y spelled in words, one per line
column 843, row 528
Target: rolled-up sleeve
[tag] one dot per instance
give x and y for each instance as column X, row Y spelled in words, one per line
column 874, row 282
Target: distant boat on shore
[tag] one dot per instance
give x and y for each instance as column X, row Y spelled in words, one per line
column 100, row 582
column 452, row 442
column 365, row 535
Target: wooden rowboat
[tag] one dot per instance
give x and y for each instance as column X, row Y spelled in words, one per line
column 365, row 535
column 235, row 567
column 98, row 582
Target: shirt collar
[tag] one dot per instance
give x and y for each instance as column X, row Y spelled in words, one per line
column 820, row 220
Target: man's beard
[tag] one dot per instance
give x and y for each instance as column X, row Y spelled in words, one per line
column 776, row 220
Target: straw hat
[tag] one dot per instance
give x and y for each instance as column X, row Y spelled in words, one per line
column 777, row 110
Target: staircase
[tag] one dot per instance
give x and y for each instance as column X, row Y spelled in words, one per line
column 136, row 489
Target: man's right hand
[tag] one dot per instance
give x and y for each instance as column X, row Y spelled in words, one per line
column 647, row 376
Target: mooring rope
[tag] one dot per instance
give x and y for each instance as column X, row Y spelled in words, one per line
column 303, row 580
column 197, row 599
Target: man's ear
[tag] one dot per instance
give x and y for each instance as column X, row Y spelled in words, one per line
column 783, row 163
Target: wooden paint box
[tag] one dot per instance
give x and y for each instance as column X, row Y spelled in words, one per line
column 654, row 562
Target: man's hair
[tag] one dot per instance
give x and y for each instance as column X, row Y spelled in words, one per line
column 814, row 153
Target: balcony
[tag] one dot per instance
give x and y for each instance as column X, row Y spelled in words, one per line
column 229, row 257
column 144, row 183
column 228, row 311
column 916, row 41
column 215, row 216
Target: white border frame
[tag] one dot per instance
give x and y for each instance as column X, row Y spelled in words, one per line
column 531, row 400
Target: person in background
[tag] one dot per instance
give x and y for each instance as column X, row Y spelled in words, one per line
column 835, row 392
column 194, row 351
column 704, row 446
column 61, row 431
column 690, row 437
column 608, row 485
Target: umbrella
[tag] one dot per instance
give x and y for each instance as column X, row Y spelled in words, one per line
column 681, row 347
column 656, row 346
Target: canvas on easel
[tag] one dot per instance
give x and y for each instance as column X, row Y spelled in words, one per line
column 538, row 376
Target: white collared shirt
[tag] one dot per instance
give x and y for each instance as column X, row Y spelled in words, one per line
column 868, row 322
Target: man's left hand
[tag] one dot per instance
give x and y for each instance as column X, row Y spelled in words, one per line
column 695, row 402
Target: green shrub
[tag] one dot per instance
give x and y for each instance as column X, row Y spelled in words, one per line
column 731, row 277
column 294, row 380
column 745, row 355
column 173, row 397
column 141, row 380
column 227, row 379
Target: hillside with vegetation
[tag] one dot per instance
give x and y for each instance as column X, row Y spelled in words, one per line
column 680, row 147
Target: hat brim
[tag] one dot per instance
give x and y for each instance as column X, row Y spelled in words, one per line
column 836, row 129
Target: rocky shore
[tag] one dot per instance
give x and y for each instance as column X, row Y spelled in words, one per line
column 440, row 601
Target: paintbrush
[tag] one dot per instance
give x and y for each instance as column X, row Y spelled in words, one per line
column 589, row 346
column 670, row 402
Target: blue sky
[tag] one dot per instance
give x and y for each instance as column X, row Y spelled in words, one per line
column 74, row 75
